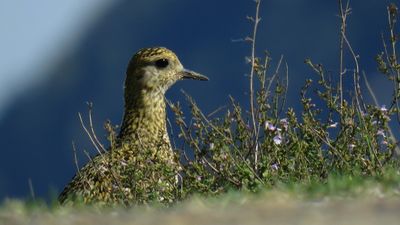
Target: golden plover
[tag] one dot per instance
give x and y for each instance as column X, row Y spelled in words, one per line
column 142, row 166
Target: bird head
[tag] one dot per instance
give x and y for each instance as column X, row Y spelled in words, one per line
column 157, row 69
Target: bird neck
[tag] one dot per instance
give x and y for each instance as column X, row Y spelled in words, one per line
column 144, row 117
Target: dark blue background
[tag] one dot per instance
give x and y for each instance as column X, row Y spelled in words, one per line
column 37, row 129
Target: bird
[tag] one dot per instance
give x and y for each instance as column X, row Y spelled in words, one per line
column 141, row 167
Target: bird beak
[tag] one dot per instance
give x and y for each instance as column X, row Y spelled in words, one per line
column 188, row 74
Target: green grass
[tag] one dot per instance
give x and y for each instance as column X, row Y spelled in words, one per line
column 308, row 202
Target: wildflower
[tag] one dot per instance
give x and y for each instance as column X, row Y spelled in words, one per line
column 386, row 117
column 198, row 178
column 381, row 132
column 269, row 126
column 274, row 166
column 351, row 146
column 333, row 125
column 384, row 142
column 364, row 114
column 278, row 139
column 248, row 127
column 383, row 109
column 284, row 122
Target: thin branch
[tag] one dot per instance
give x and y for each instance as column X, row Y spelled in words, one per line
column 343, row 16
column 217, row 110
column 327, row 142
column 286, row 88
column 356, row 77
column 369, row 88
column 87, row 155
column 75, row 158
column 237, row 183
column 275, row 74
column 256, row 20
column 90, row 106
column 171, row 133
column 265, row 67
column 89, row 134
column 392, row 14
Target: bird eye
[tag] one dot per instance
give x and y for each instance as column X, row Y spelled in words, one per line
column 161, row 63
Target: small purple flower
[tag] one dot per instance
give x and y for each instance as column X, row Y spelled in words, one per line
column 275, row 166
column 278, row 139
column 333, row 125
column 381, row 132
column 364, row 114
column 269, row 126
column 248, row 127
column 383, row 108
column 284, row 122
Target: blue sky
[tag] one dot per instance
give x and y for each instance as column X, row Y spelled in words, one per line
column 34, row 33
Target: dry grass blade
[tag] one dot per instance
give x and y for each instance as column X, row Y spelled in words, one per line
column 31, row 190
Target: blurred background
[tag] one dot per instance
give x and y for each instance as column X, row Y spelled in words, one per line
column 57, row 55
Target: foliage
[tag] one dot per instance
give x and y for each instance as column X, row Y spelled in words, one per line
column 336, row 132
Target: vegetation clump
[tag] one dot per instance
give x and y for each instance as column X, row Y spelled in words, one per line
column 336, row 132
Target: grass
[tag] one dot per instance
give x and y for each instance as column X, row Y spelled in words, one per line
column 363, row 200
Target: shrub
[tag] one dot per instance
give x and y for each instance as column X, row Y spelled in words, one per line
column 338, row 133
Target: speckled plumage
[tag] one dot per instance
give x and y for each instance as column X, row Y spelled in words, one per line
column 141, row 167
